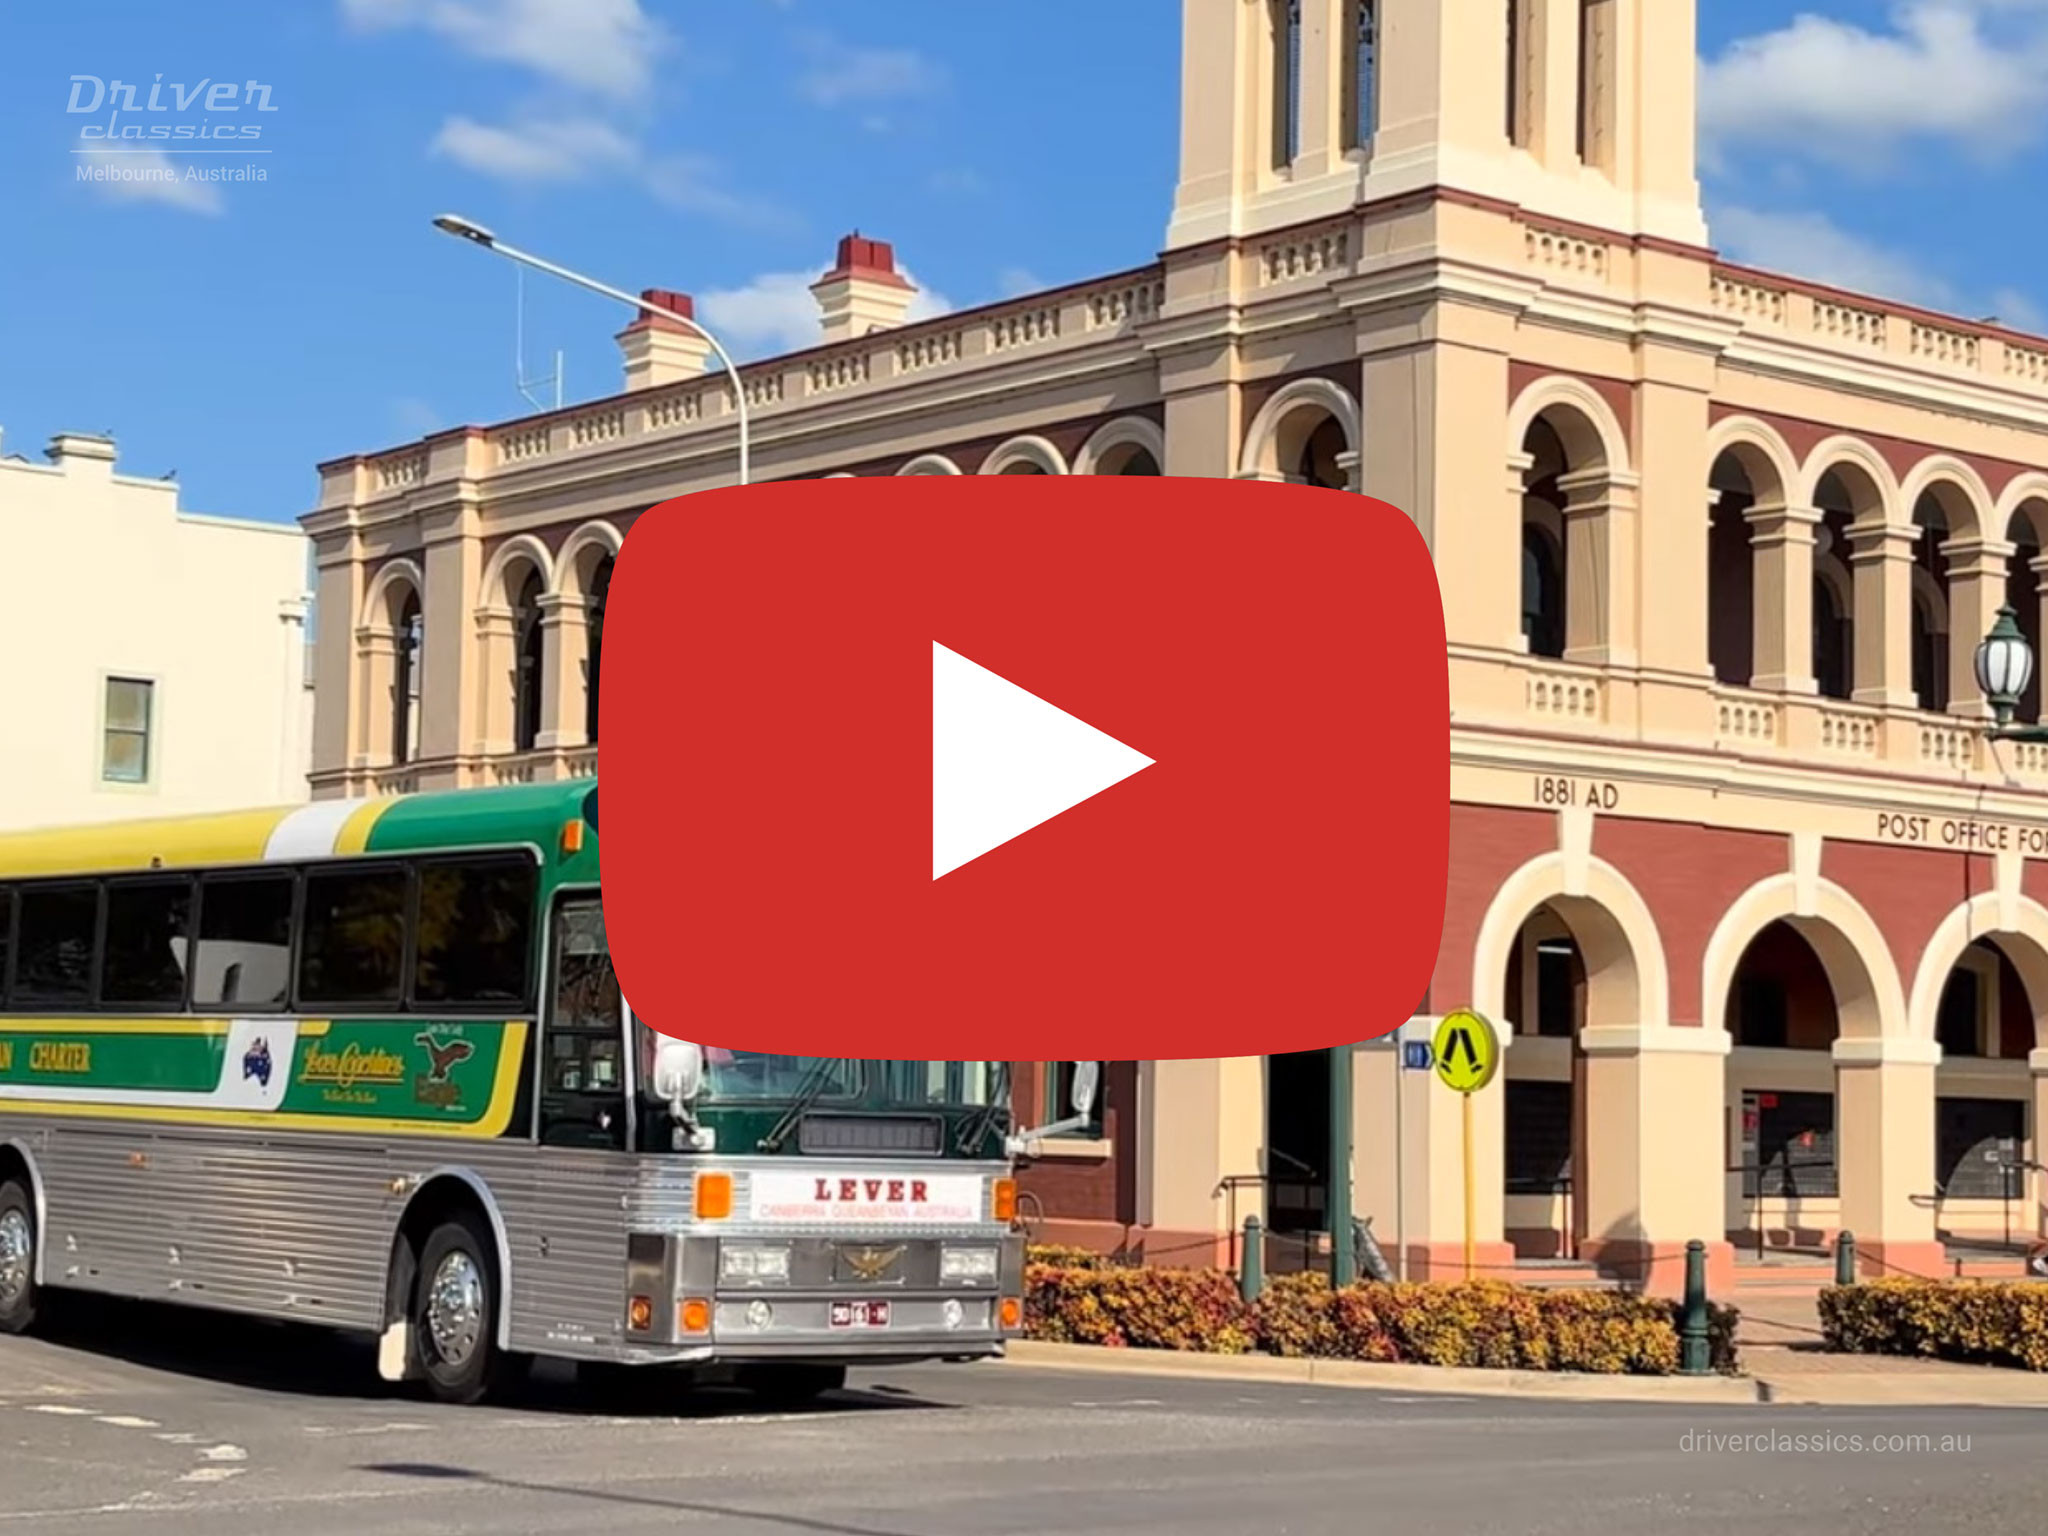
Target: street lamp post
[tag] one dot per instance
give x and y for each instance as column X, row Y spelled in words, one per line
column 476, row 234
column 2005, row 663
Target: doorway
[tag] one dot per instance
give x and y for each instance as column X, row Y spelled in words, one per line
column 1297, row 1147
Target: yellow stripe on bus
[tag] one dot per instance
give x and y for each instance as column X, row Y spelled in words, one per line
column 307, row 1029
column 235, row 837
column 354, row 835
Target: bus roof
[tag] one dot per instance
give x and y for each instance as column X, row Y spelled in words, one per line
column 500, row 816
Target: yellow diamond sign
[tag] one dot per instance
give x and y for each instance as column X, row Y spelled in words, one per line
column 1467, row 1052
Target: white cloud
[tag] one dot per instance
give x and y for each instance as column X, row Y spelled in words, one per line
column 1809, row 245
column 606, row 46
column 841, row 73
column 1015, row 282
column 1973, row 73
column 148, row 176
column 562, row 150
column 581, row 149
column 777, row 312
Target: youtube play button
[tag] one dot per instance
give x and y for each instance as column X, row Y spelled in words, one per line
column 1178, row 749
column 1004, row 760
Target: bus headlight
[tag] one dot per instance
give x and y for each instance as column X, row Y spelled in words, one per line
column 753, row 1263
column 959, row 1264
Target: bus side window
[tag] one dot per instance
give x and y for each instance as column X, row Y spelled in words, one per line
column 583, row 1073
column 245, row 941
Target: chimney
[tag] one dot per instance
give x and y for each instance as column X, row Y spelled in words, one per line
column 81, row 452
column 660, row 351
column 864, row 292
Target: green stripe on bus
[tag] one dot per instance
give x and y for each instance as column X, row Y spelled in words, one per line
column 510, row 814
column 400, row 1070
column 180, row 1062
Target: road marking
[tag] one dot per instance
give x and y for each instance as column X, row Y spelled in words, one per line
column 368, row 1429
column 63, row 1408
column 225, row 1453
column 1124, row 1402
column 212, row 1474
column 179, row 1437
column 125, row 1421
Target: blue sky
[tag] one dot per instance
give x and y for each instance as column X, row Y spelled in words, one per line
column 238, row 333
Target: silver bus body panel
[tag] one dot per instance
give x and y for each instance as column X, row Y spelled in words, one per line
column 303, row 1226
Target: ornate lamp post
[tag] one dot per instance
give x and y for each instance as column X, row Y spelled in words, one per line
column 2005, row 664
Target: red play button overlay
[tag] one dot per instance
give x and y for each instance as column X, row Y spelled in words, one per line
column 1011, row 766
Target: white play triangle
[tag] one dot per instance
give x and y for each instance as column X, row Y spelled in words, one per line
column 1004, row 760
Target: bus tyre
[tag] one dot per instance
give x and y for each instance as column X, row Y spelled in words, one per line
column 455, row 1313
column 17, row 1258
column 791, row 1385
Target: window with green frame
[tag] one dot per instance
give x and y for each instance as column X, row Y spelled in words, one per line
column 1058, row 1102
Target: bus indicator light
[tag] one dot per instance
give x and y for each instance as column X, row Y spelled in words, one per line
column 714, row 1196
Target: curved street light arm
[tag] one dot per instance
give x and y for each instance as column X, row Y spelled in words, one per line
column 512, row 253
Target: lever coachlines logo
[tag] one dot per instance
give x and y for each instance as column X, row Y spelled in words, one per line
column 940, row 768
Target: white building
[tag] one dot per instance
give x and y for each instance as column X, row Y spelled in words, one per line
column 152, row 662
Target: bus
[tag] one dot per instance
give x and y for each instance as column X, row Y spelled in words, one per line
column 366, row 1064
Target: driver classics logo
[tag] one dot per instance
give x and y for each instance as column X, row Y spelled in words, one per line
column 171, row 141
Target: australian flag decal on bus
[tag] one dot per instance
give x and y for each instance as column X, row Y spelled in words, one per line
column 256, row 1063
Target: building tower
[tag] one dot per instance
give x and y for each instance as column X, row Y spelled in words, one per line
column 1579, row 110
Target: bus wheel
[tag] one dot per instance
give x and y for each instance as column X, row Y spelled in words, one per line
column 17, row 1258
column 791, row 1385
column 455, row 1314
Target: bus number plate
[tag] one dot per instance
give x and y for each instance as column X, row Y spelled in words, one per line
column 860, row 1314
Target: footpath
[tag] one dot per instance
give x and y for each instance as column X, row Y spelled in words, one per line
column 1781, row 1359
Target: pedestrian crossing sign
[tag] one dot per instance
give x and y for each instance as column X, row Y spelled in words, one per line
column 1467, row 1052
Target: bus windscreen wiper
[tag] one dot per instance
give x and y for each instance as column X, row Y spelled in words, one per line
column 808, row 1092
column 978, row 1128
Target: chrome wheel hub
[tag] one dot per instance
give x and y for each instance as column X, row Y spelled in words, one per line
column 455, row 1308
column 17, row 1257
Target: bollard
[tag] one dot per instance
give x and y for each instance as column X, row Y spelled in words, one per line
column 1251, row 1278
column 1695, row 1348
column 1845, row 1259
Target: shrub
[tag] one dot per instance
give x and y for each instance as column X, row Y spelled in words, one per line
column 1973, row 1323
column 1491, row 1324
column 1060, row 1256
column 1180, row 1309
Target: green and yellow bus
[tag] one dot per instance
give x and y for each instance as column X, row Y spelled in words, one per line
column 366, row 1064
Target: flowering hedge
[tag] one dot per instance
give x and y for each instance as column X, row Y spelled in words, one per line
column 1487, row 1323
column 1974, row 1323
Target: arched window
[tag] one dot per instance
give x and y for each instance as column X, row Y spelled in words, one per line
column 1830, row 642
column 405, row 686
column 600, row 588
column 1319, row 464
column 1286, row 82
column 1542, row 592
column 1140, row 462
column 526, row 681
column 1930, row 660
column 1362, row 104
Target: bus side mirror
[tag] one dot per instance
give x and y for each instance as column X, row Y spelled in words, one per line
column 1086, row 1077
column 678, row 1070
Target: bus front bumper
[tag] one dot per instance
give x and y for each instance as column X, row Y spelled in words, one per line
column 764, row 1297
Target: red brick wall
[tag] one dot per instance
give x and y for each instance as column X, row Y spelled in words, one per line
column 1488, row 843
column 1906, row 891
column 1690, row 876
column 1082, row 1189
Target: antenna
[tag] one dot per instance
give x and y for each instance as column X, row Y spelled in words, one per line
column 519, row 377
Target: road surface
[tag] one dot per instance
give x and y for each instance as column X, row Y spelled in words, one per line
column 149, row 1420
